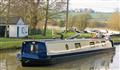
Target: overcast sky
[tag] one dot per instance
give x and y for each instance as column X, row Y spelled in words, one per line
column 98, row 5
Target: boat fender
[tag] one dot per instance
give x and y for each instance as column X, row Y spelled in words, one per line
column 18, row 57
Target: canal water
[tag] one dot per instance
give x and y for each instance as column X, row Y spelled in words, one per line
column 105, row 60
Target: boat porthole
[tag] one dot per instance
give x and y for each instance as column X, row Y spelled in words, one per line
column 77, row 45
column 92, row 43
column 67, row 47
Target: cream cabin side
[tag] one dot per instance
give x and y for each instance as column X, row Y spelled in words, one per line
column 77, row 45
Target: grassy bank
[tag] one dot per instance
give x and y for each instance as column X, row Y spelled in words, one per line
column 10, row 39
column 10, row 44
column 116, row 38
column 40, row 36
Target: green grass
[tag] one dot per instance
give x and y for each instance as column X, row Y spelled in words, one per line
column 10, row 44
column 10, row 39
column 68, row 34
column 85, row 35
column 40, row 36
column 116, row 38
column 101, row 15
column 82, row 35
column 93, row 15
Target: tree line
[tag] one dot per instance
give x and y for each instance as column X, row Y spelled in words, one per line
column 35, row 11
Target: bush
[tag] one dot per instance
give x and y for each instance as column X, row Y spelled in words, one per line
column 38, row 35
column 33, row 31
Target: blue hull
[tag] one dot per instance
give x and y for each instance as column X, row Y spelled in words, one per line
column 34, row 62
column 60, row 58
column 117, row 43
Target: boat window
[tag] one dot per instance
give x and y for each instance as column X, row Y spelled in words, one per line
column 102, row 41
column 67, row 47
column 34, row 48
column 77, row 45
column 92, row 43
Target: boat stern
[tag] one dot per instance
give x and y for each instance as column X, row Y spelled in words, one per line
column 33, row 53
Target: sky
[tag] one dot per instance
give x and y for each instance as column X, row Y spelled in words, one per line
column 97, row 5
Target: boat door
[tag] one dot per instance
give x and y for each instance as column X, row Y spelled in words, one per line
column 42, row 50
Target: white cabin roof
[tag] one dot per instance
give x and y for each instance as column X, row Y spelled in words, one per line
column 71, row 40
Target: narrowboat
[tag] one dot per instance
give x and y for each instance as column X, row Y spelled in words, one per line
column 48, row 52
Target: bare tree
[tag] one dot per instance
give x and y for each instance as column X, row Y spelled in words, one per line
column 67, row 14
column 46, row 18
column 54, row 6
column 3, row 7
column 33, row 11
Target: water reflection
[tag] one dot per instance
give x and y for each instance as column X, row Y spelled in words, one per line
column 100, row 61
column 115, row 65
